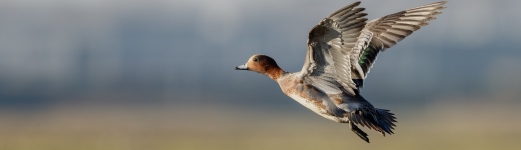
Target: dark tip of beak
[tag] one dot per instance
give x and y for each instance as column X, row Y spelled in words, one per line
column 237, row 68
column 241, row 67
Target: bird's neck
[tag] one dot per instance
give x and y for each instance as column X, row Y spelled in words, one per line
column 274, row 73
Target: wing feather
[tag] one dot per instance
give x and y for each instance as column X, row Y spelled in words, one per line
column 330, row 45
column 409, row 20
column 390, row 29
column 344, row 46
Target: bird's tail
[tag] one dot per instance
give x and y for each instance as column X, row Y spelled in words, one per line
column 377, row 119
column 386, row 120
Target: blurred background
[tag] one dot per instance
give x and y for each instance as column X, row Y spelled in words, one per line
column 158, row 74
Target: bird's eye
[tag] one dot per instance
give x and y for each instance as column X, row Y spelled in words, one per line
column 255, row 59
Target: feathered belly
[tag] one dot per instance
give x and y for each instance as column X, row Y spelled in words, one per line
column 315, row 106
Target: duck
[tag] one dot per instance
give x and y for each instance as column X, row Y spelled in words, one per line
column 341, row 49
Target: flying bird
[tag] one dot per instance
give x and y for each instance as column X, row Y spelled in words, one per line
column 341, row 50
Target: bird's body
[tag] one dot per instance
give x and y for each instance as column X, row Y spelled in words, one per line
column 319, row 102
column 341, row 50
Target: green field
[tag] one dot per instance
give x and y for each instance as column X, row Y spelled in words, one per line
column 438, row 127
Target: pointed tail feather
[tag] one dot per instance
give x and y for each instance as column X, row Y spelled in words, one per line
column 380, row 120
column 386, row 121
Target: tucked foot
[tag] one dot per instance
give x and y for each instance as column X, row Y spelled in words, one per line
column 358, row 132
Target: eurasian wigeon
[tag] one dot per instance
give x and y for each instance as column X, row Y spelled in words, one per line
column 341, row 50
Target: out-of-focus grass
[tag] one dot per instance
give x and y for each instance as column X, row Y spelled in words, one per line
column 223, row 128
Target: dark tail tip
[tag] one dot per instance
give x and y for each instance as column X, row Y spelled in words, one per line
column 380, row 120
column 386, row 121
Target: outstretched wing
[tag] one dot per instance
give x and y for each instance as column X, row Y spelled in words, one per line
column 330, row 44
column 388, row 30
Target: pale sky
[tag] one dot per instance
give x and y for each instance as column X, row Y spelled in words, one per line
column 190, row 47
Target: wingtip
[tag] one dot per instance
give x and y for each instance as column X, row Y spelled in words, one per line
column 441, row 3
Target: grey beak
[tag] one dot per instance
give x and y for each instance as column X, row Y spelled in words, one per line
column 241, row 67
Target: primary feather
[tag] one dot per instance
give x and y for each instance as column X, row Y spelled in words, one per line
column 345, row 46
